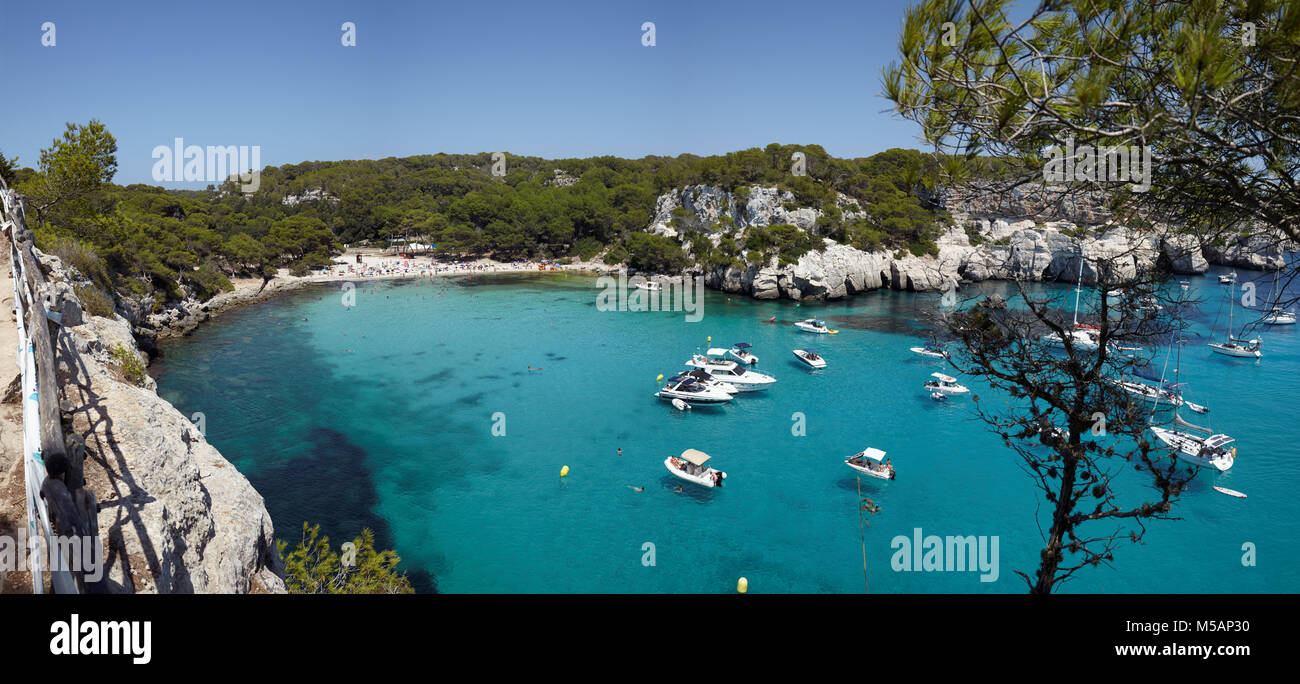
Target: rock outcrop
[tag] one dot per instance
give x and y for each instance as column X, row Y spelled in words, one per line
column 1002, row 249
column 174, row 515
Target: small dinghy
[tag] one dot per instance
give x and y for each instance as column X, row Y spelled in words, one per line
column 945, row 384
column 1230, row 492
column 938, row 396
column 681, row 405
column 1228, row 279
column 690, row 467
column 871, row 462
column 810, row 357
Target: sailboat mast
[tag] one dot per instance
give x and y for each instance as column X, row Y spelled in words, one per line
column 1078, row 287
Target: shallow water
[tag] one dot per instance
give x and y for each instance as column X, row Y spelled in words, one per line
column 382, row 415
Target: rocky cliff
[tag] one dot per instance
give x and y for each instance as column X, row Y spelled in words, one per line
column 174, row 515
column 976, row 248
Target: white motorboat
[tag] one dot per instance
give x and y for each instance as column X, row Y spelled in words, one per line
column 1211, row 452
column 731, row 372
column 1081, row 337
column 741, row 352
column 1279, row 316
column 649, row 286
column 810, row 357
column 692, row 391
column 1228, row 278
column 871, row 462
column 813, row 325
column 930, row 352
column 690, row 467
column 945, row 384
column 1117, row 292
column 704, row 378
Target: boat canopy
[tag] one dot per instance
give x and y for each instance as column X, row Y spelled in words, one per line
column 1216, row 441
column 944, row 378
column 695, row 456
column 809, row 350
column 717, row 352
column 741, row 345
column 874, row 454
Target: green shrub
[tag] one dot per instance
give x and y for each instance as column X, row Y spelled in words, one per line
column 94, row 301
column 587, row 247
column 314, row 568
column 616, row 255
column 132, row 370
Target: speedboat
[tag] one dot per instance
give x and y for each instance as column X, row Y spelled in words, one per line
column 730, row 372
column 692, row 391
column 1279, row 316
column 813, row 325
column 1228, row 278
column 1117, row 292
column 690, row 467
column 1237, row 348
column 1212, row 451
column 871, row 462
column 945, row 384
column 930, row 351
column 810, row 357
column 741, row 352
column 649, row 286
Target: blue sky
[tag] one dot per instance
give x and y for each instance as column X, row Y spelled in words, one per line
column 551, row 79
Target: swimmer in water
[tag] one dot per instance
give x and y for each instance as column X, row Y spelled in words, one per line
column 620, row 451
column 531, row 369
column 636, row 489
column 678, row 490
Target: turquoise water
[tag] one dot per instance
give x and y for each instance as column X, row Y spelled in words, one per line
column 382, row 415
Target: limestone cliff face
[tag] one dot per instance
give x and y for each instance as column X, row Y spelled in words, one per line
column 1006, row 249
column 174, row 515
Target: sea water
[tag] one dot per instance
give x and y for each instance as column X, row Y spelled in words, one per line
column 439, row 413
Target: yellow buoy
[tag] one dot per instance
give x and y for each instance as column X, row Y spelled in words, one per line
column 709, row 338
column 661, row 377
column 564, row 472
column 742, row 586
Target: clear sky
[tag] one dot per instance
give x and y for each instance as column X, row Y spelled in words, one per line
column 551, row 79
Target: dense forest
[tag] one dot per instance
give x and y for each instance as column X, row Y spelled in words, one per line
column 150, row 241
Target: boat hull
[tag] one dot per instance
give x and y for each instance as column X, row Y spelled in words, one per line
column 705, row 479
column 879, row 475
column 811, row 363
column 1236, row 352
column 1188, row 448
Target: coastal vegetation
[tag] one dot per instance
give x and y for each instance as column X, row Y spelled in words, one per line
column 145, row 241
column 312, row 567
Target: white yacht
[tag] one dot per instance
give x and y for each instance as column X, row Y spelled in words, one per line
column 871, row 462
column 945, row 384
column 814, row 325
column 1279, row 316
column 741, row 352
column 730, row 372
column 1212, row 451
column 649, row 286
column 692, row 391
column 810, row 357
column 690, row 467
column 1236, row 347
column 1228, row 278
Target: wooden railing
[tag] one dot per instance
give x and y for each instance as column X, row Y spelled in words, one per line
column 58, row 503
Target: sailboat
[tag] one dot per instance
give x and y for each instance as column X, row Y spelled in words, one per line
column 1236, row 347
column 1206, row 449
column 1080, row 336
column 1278, row 315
